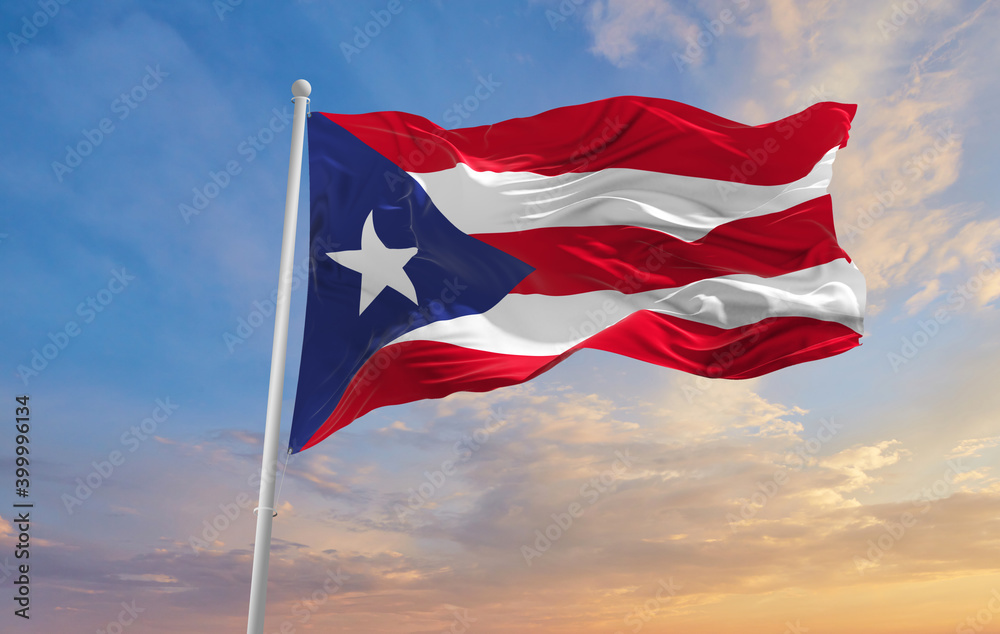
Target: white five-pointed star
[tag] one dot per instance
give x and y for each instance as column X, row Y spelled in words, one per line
column 378, row 265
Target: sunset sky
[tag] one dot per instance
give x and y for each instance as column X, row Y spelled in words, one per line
column 853, row 494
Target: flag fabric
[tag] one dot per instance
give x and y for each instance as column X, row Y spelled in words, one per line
column 475, row 258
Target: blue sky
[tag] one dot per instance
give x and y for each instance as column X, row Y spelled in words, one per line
column 203, row 85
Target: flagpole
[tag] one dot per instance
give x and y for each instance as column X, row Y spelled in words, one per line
column 272, row 425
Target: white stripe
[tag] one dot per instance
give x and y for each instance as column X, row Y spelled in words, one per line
column 682, row 206
column 544, row 325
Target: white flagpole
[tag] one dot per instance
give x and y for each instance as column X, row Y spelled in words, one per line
column 272, row 425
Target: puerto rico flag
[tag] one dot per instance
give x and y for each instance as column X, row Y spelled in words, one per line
column 470, row 259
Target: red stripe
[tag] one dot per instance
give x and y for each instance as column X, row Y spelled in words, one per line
column 414, row 370
column 571, row 260
column 644, row 133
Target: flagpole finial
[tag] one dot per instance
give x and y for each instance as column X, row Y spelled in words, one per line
column 301, row 88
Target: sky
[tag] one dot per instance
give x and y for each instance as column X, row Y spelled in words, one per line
column 146, row 420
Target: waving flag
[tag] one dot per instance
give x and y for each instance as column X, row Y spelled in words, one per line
column 470, row 259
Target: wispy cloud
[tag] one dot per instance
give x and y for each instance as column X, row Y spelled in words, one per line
column 907, row 146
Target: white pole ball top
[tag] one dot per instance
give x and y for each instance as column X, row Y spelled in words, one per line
column 301, row 88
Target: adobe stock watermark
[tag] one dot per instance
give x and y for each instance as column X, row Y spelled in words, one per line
column 7, row 569
column 768, row 489
column 981, row 618
column 30, row 25
column 899, row 16
column 928, row 329
column 463, row 449
column 460, row 623
column 397, row 176
column 725, row 358
column 591, row 491
column 456, row 114
column 248, row 149
column 262, row 310
column 914, row 169
column 303, row 609
column 699, row 42
column 222, row 7
column 637, row 618
column 758, row 157
column 129, row 614
column 566, row 9
column 550, row 197
column 596, row 319
column 88, row 311
column 463, row 109
column 894, row 531
column 130, row 440
column 229, row 512
column 817, row 94
column 451, row 291
column 123, row 106
column 363, row 35
column 213, row 527
column 607, row 313
column 587, row 151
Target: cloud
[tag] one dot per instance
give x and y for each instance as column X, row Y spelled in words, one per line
column 685, row 499
column 920, row 300
column 587, row 418
column 973, row 447
column 913, row 85
column 856, row 462
column 739, row 497
column 620, row 27
column 907, row 146
column 703, row 408
column 6, row 530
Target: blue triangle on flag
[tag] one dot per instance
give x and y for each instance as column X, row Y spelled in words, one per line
column 453, row 274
